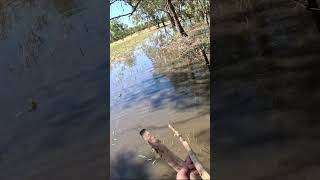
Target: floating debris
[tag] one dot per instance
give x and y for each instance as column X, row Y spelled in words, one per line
column 154, row 161
column 142, row 156
column 33, row 105
column 19, row 114
column 82, row 53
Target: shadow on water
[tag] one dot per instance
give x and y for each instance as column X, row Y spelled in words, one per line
column 124, row 166
column 68, row 7
column 266, row 87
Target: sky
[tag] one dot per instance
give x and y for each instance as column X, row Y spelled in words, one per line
column 119, row 8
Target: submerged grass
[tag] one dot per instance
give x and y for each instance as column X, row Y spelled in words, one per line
column 123, row 49
column 182, row 51
column 198, row 39
column 191, row 46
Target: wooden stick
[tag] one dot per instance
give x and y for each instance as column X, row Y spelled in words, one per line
column 203, row 173
column 164, row 153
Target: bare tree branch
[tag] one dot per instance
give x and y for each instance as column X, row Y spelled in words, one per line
column 128, row 14
column 113, row 2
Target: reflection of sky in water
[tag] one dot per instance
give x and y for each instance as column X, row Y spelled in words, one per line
column 127, row 82
column 164, row 35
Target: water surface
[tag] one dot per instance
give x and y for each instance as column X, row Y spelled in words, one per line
column 51, row 53
column 150, row 93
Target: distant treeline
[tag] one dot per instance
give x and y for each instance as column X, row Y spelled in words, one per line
column 120, row 30
column 149, row 13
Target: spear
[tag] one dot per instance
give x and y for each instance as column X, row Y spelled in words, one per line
column 202, row 172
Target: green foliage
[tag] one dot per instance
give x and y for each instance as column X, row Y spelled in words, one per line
column 119, row 30
column 150, row 13
column 195, row 10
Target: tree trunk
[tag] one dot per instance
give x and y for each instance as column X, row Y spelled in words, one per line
column 163, row 23
column 171, row 20
column 315, row 13
column 176, row 19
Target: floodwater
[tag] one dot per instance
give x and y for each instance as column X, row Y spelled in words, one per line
column 53, row 91
column 149, row 91
column 266, row 100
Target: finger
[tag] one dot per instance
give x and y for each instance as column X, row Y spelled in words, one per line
column 194, row 171
column 193, row 176
column 182, row 175
column 184, row 169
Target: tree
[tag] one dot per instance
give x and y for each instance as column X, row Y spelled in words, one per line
column 176, row 19
column 118, row 30
column 153, row 10
column 129, row 2
column 204, row 9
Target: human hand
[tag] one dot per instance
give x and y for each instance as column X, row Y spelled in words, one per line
column 188, row 171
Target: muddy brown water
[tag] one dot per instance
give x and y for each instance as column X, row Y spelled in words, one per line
column 142, row 96
column 63, row 137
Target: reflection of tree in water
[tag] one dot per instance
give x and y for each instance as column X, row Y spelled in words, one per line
column 130, row 61
column 189, row 77
column 31, row 47
column 40, row 22
column 28, row 3
column 67, row 8
column 10, row 14
column 5, row 20
column 161, row 37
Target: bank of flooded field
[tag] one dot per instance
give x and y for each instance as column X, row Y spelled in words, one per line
column 156, row 87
